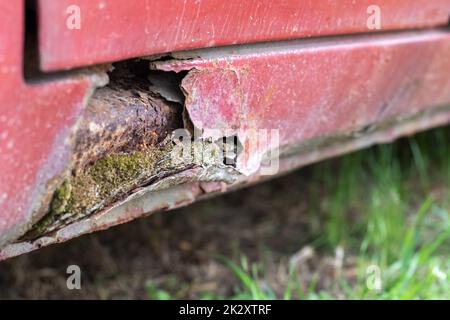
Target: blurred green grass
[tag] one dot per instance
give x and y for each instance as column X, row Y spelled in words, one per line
column 388, row 207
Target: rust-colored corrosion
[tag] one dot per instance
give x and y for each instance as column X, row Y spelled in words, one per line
column 118, row 143
column 119, row 167
column 123, row 116
column 78, row 156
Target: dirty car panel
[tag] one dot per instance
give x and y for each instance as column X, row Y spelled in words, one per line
column 83, row 150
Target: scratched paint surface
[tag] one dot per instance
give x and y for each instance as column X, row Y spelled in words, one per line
column 314, row 89
column 35, row 121
column 343, row 87
column 121, row 29
column 239, row 90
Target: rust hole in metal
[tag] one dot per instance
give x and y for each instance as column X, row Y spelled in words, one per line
column 120, row 142
column 124, row 142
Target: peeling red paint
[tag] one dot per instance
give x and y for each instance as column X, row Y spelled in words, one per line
column 316, row 88
column 146, row 202
column 325, row 96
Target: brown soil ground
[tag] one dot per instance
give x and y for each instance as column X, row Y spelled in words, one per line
column 177, row 250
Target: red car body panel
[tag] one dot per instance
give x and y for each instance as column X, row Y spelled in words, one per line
column 35, row 119
column 353, row 89
column 122, row 29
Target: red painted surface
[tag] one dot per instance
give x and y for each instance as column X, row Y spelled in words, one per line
column 35, row 120
column 315, row 88
column 306, row 89
column 121, row 29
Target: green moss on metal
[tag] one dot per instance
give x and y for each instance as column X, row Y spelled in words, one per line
column 61, row 197
column 113, row 177
column 105, row 179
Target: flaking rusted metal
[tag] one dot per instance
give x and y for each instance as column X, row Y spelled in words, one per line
column 115, row 148
column 121, row 158
column 123, row 116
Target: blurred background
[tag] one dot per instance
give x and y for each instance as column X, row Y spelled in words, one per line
column 371, row 224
